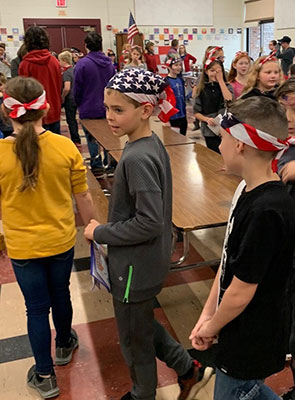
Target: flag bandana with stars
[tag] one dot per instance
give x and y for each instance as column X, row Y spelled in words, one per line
column 254, row 137
column 146, row 87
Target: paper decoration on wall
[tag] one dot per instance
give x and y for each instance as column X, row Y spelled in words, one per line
column 217, row 37
column 213, row 30
column 221, row 30
column 225, row 37
column 209, row 37
column 175, row 31
column 204, row 31
column 15, row 31
column 21, row 37
column 16, row 43
column 161, row 36
column 10, row 38
column 166, row 30
column 180, row 36
column 199, row 37
column 230, row 31
column 185, row 42
column 185, row 30
column 3, row 31
column 239, row 31
column 171, row 37
column 151, row 37
column 195, row 31
column 157, row 42
column 166, row 42
column 156, row 31
column 190, row 37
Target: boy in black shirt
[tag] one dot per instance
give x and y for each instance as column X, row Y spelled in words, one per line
column 249, row 324
column 138, row 233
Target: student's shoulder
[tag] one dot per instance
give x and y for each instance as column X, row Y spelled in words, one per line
column 273, row 197
column 143, row 151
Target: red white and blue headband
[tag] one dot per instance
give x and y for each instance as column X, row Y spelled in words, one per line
column 146, row 88
column 172, row 60
column 271, row 57
column 254, row 137
column 209, row 56
column 19, row 109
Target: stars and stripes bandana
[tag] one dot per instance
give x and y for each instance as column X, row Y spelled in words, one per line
column 254, row 137
column 210, row 58
column 19, row 109
column 146, row 87
column 271, row 57
column 170, row 60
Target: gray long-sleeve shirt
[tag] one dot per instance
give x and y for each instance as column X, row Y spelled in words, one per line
column 139, row 229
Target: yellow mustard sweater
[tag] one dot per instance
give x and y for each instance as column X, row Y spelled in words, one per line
column 41, row 222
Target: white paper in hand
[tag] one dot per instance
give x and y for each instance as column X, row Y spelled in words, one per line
column 99, row 266
column 216, row 128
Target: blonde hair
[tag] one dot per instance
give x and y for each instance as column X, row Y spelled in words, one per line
column 3, row 79
column 233, row 72
column 26, row 145
column 66, row 56
column 254, row 74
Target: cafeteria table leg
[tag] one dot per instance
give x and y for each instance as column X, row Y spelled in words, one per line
column 185, row 249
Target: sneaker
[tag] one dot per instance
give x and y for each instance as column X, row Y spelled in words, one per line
column 289, row 395
column 126, row 396
column 47, row 387
column 63, row 355
column 190, row 387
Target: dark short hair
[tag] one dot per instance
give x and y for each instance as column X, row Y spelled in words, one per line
column 274, row 42
column 263, row 113
column 36, row 38
column 3, row 45
column 286, row 87
column 93, row 41
column 174, row 43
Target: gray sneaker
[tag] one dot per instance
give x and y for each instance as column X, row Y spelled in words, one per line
column 63, row 355
column 47, row 387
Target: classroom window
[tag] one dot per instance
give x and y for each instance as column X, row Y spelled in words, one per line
column 258, row 38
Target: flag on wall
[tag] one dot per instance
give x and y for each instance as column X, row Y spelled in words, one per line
column 132, row 29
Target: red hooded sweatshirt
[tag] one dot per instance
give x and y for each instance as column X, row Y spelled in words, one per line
column 43, row 66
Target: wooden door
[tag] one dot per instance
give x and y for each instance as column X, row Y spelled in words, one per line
column 65, row 32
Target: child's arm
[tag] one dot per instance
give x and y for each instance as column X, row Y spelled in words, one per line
column 235, row 299
column 224, row 89
column 288, row 172
column 66, row 90
column 203, row 118
column 85, row 206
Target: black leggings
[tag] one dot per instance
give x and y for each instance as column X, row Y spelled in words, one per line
column 180, row 123
column 213, row 142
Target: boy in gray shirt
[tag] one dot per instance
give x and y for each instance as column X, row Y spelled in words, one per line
column 139, row 234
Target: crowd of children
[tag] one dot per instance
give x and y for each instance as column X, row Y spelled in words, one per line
column 247, row 115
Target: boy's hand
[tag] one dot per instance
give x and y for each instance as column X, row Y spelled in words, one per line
column 198, row 342
column 288, row 172
column 207, row 332
column 89, row 230
column 211, row 122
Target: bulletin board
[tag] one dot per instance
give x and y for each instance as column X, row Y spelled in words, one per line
column 189, row 12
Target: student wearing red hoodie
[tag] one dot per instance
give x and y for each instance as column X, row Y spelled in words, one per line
column 40, row 64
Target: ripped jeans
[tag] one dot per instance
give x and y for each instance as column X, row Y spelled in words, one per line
column 229, row 388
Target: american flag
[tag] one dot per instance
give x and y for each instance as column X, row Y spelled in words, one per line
column 132, row 30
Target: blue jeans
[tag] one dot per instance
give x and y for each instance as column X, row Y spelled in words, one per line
column 44, row 283
column 94, row 148
column 53, row 127
column 230, row 388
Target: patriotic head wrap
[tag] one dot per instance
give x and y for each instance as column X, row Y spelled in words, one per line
column 210, row 56
column 172, row 59
column 19, row 109
column 146, row 87
column 254, row 137
column 241, row 53
column 271, row 57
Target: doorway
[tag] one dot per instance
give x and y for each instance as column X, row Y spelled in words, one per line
column 65, row 32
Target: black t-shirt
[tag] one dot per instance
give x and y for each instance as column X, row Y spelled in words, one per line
column 257, row 92
column 259, row 250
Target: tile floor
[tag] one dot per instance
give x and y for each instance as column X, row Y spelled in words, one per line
column 97, row 370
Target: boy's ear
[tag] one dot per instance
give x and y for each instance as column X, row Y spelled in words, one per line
column 240, row 146
column 147, row 110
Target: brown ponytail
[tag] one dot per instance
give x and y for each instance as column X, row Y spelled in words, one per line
column 26, row 145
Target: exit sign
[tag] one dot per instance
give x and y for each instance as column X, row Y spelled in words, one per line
column 61, row 3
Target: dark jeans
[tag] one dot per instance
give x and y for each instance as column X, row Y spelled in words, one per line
column 142, row 339
column 71, row 109
column 180, row 123
column 53, row 127
column 44, row 283
column 94, row 149
column 213, row 142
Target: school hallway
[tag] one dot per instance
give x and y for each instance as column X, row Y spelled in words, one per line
column 97, row 370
